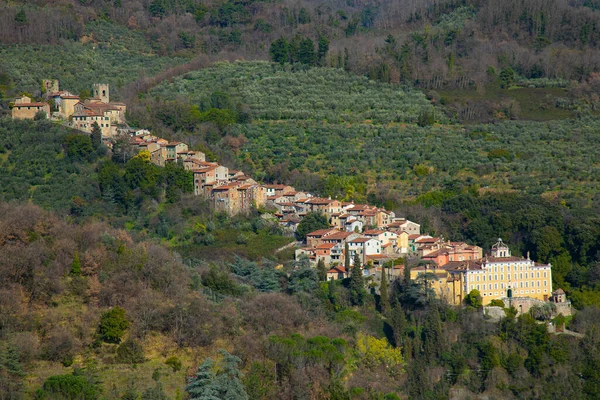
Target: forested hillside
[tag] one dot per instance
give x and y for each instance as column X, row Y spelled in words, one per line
column 463, row 51
column 476, row 118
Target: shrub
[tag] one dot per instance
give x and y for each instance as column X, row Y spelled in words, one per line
column 69, row 387
column 497, row 303
column 174, row 363
column 130, row 352
column 112, row 325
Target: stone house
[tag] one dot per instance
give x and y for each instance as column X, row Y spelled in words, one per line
column 24, row 108
column 173, row 150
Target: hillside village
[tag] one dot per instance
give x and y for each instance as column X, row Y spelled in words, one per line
column 373, row 237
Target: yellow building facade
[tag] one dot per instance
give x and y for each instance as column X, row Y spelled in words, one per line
column 497, row 276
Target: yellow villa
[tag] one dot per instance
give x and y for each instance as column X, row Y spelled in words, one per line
column 497, row 276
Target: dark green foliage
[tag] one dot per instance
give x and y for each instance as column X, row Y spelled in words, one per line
column 473, row 299
column 322, row 270
column 303, row 280
column 113, row 325
column 226, row 384
column 220, row 281
column 96, row 136
column 154, row 393
column 384, row 296
column 79, row 147
column 279, row 50
column 130, row 352
column 174, row 363
column 76, row 265
column 313, row 221
column 265, row 279
column 21, row 17
column 356, row 287
column 323, row 49
column 507, row 77
column 497, row 303
column 11, row 372
column 306, row 52
column 69, row 387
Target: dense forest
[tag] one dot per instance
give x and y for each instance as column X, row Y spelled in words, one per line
column 476, row 118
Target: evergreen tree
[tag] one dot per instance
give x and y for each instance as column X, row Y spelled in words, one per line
column 225, row 385
column 229, row 380
column 311, row 222
column 384, row 297
column 347, row 257
column 323, row 49
column 306, row 52
column 96, row 136
column 357, row 283
column 11, row 373
column 202, row 386
column 322, row 270
column 432, row 335
column 76, row 265
column 279, row 50
column 113, row 325
column 21, row 17
column 397, row 321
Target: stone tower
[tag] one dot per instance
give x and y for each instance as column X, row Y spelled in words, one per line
column 49, row 86
column 101, row 92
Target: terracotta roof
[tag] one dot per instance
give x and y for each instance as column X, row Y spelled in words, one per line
column 559, row 291
column 374, row 232
column 320, row 232
column 337, row 270
column 326, row 246
column 206, row 169
column 276, row 186
column 361, row 240
column 428, row 240
column 339, row 236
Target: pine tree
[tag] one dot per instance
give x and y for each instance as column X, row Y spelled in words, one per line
column 96, row 136
column 280, row 50
column 21, row 17
column 76, row 265
column 384, row 297
column 357, row 283
column 323, row 49
column 322, row 270
column 202, row 386
column 229, row 380
column 306, row 52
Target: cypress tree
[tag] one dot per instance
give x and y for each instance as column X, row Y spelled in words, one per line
column 347, row 257
column 96, row 136
column 384, row 298
column 306, row 52
column 322, row 270
column 357, row 283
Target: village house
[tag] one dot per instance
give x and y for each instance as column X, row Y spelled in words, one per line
column 24, row 108
column 453, row 251
column 278, row 190
column 337, row 272
column 316, row 238
column 173, row 149
column 363, row 247
column 404, row 225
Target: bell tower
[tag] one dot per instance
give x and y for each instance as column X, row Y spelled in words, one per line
column 101, row 92
column 500, row 249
